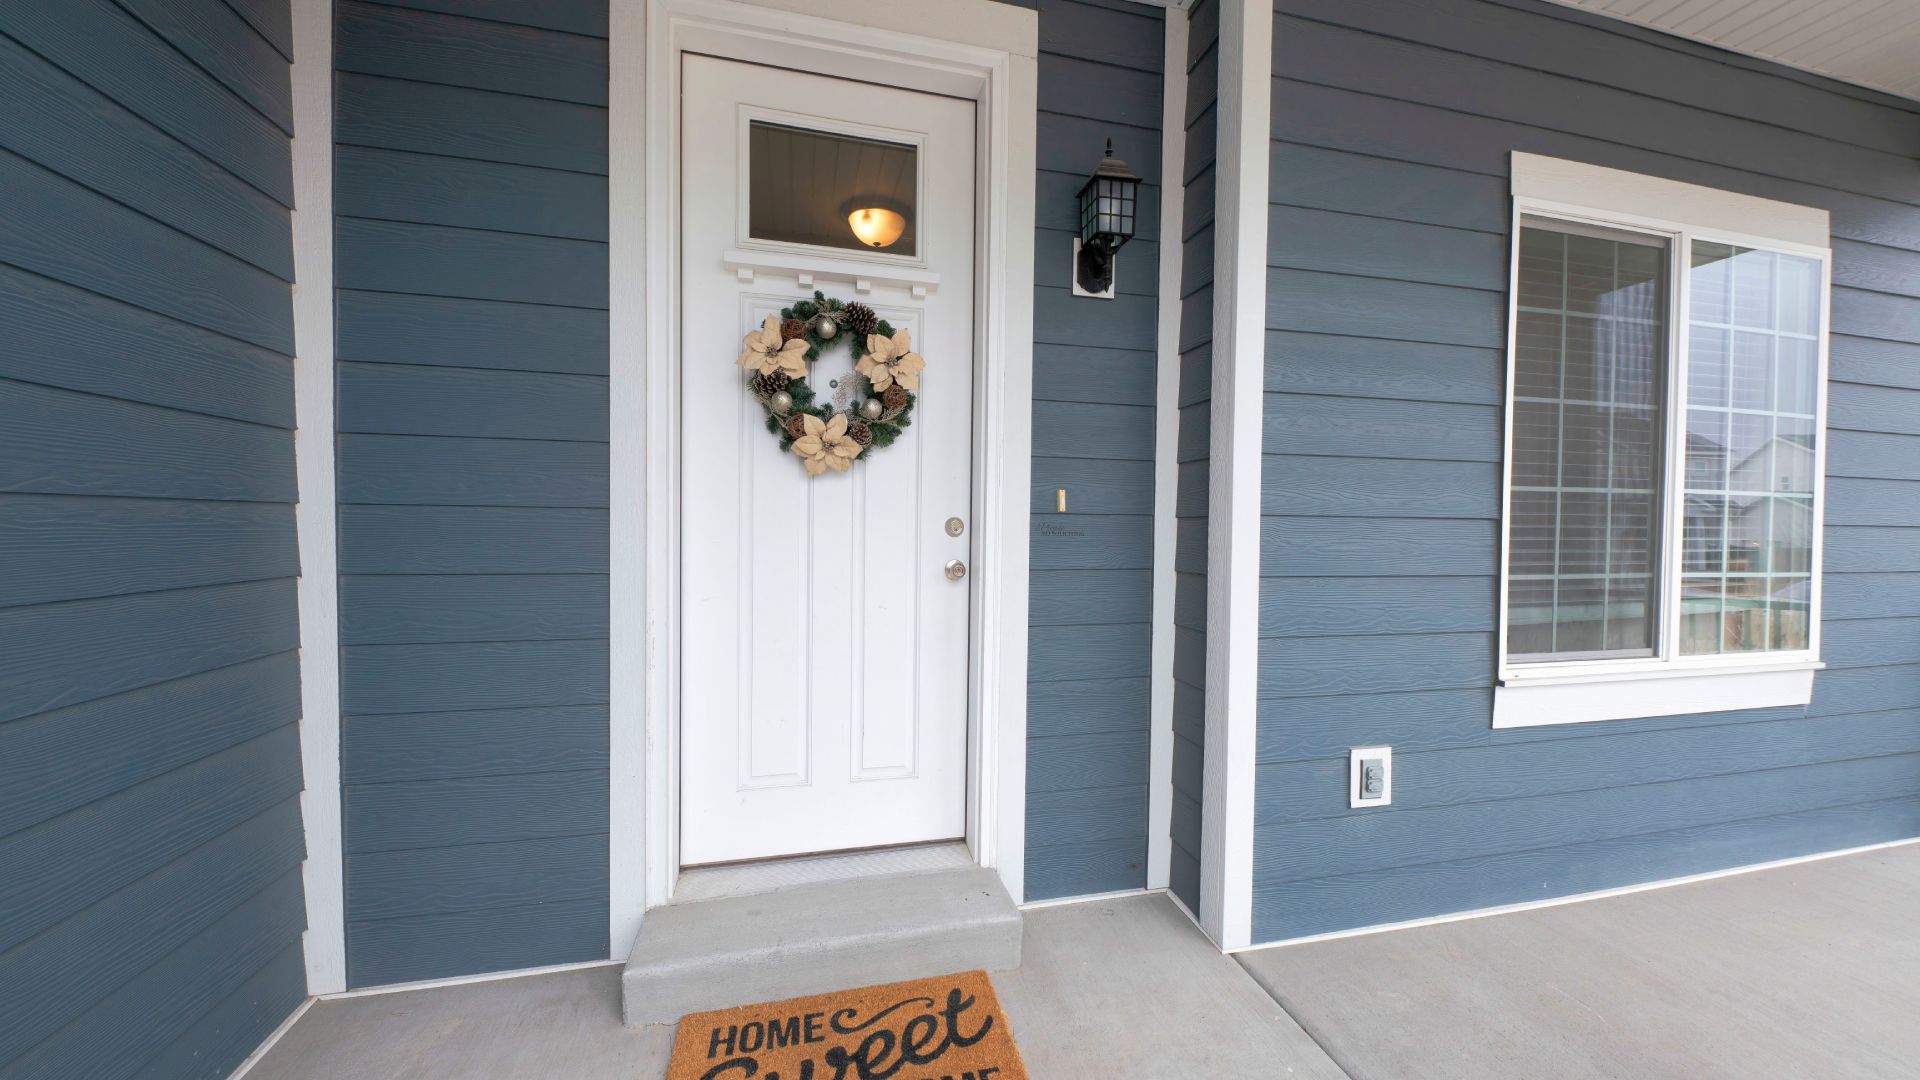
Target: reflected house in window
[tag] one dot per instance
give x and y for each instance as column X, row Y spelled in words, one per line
column 1763, row 535
column 1750, row 450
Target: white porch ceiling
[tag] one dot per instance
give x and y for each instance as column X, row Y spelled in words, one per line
column 1874, row 43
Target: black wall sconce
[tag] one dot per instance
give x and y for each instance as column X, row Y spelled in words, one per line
column 1107, row 205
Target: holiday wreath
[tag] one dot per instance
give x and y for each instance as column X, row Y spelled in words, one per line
column 779, row 356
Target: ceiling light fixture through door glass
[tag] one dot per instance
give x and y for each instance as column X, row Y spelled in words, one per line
column 876, row 226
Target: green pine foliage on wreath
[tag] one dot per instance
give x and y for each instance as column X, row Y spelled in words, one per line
column 891, row 422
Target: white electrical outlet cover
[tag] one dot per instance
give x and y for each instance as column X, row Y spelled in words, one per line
column 1358, row 754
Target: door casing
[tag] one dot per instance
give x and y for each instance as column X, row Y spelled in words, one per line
column 978, row 49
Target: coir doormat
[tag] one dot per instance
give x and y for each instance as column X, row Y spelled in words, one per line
column 949, row 1028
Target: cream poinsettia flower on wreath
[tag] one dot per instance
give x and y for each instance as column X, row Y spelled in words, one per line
column 825, row 444
column 891, row 360
column 766, row 353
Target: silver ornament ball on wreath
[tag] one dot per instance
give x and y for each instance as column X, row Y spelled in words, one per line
column 829, row 438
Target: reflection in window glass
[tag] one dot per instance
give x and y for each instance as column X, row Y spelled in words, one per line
column 1590, row 362
column 1751, row 394
column 804, row 186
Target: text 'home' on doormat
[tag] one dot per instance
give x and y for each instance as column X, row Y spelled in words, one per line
column 949, row 1028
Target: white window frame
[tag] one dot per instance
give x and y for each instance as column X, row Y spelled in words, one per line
column 1667, row 683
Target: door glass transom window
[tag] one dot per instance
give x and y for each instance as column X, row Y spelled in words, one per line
column 1665, row 439
column 832, row 190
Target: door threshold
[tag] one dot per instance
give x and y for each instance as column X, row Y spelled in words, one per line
column 769, row 875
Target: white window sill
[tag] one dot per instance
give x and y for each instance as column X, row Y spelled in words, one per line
column 1581, row 699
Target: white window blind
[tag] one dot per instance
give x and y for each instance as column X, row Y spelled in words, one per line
column 1589, row 374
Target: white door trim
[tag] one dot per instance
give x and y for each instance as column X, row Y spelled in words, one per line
column 978, row 49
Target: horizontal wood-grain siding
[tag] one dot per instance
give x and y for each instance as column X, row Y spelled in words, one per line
column 77, row 340
column 473, row 473
column 425, row 118
column 457, row 50
column 445, row 944
column 71, row 967
column 587, row 17
column 150, row 833
column 1392, row 129
column 61, row 123
column 206, row 975
column 487, row 742
column 1193, row 440
column 1091, row 589
column 58, row 442
column 104, row 46
column 135, row 259
column 393, row 185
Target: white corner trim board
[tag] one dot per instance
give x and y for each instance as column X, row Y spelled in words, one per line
column 628, row 520
column 977, row 49
column 1166, row 468
column 317, row 593
column 1233, row 484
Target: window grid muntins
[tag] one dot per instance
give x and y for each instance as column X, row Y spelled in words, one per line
column 1751, row 429
column 1592, row 571
column 1590, row 360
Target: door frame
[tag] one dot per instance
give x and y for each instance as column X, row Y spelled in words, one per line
column 983, row 50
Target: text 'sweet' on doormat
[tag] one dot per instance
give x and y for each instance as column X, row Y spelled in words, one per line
column 949, row 1028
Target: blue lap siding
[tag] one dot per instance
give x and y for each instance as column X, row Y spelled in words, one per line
column 1196, row 411
column 1093, row 434
column 471, row 269
column 1393, row 123
column 150, row 834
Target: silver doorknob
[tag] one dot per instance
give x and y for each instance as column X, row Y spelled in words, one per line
column 956, row 570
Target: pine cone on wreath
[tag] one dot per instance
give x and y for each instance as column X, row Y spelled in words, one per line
column 860, row 433
column 859, row 318
column 895, row 397
column 770, row 383
column 796, row 425
column 793, row 328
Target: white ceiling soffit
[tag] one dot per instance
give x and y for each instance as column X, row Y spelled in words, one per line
column 1872, row 43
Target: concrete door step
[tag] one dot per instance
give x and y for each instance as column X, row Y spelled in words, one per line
column 815, row 939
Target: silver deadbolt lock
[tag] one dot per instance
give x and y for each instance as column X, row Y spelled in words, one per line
column 955, row 526
column 956, row 570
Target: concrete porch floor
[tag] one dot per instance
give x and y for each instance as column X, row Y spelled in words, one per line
column 1811, row 970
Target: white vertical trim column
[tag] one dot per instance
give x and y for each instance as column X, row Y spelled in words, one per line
column 627, row 836
column 1233, row 486
column 1166, row 449
column 325, row 940
column 1005, row 430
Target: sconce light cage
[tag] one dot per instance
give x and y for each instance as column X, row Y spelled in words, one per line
column 1108, row 205
column 1108, row 209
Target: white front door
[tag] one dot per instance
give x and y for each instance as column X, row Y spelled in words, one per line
column 824, row 647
